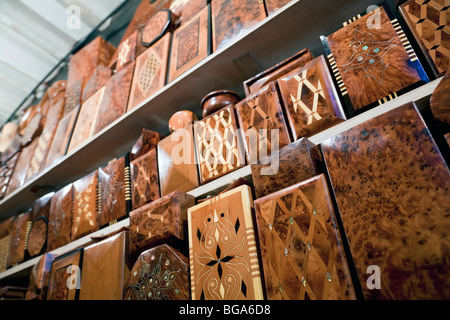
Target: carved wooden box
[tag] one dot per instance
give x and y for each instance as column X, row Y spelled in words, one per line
column 147, row 141
column 223, row 257
column 96, row 82
column 372, row 65
column 301, row 247
column 150, row 71
column 60, row 287
column 6, row 172
column 261, row 118
column 85, row 217
column 273, row 73
column 273, row 6
column 126, row 51
column 105, row 269
column 19, row 237
column 429, row 22
column 161, row 273
column 144, row 179
column 161, row 221
column 190, row 44
column 177, row 171
column 391, row 185
column 231, row 18
column 310, row 99
column 218, row 145
column 37, row 237
column 60, row 218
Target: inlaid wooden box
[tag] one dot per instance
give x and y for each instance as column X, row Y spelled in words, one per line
column 144, row 179
column 37, row 237
column 39, row 278
column 372, row 64
column 96, row 82
column 161, row 273
column 5, row 241
column 161, row 221
column 301, row 246
column 126, row 51
column 261, row 118
column 19, row 236
column 223, row 256
column 147, row 141
column 157, row 26
column 439, row 106
column 273, row 6
column 310, row 99
column 6, row 172
column 429, row 21
column 391, row 185
column 66, row 266
column 60, row 218
column 218, row 145
column 74, row 96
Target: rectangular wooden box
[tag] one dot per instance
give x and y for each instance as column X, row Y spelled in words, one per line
column 273, row 6
column 19, row 237
column 64, row 267
column 391, row 185
column 37, row 237
column 301, row 246
column 60, row 220
column 218, row 144
column 39, row 278
column 372, row 64
column 223, row 256
column 96, row 82
column 74, row 96
column 5, row 242
column 147, row 141
column 144, row 179
column 126, row 51
column 429, row 22
column 6, row 172
column 310, row 99
column 261, row 118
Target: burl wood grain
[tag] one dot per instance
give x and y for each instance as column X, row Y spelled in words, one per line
column 222, row 250
column 144, row 179
column 158, row 24
column 146, row 142
column 273, row 73
column 429, row 22
column 439, row 101
column 373, row 63
column 161, row 221
column 301, row 247
column 74, row 96
column 219, row 147
column 60, row 220
column 161, row 273
column 261, row 118
column 150, row 72
column 273, row 6
column 20, row 227
column 96, row 82
column 57, row 285
column 231, row 18
column 310, row 99
column 37, row 237
column 296, row 162
column 391, row 186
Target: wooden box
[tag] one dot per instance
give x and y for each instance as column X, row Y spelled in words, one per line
column 64, row 282
column 161, row 273
column 115, row 193
column 150, row 71
column 96, row 82
column 161, row 221
column 218, row 145
column 39, row 159
column 372, row 64
column 301, row 247
column 273, row 73
column 261, row 118
column 147, row 141
column 105, row 269
column 5, row 242
column 177, row 171
column 223, row 257
column 190, row 44
column 144, row 179
column 429, row 22
column 37, row 237
column 60, row 220
column 310, row 99
column 391, row 185
column 157, row 26
column 12, row 293
column 6, row 172
column 39, row 278
column 19, row 237
column 85, row 217
column 231, row 18
column 126, row 51
column 439, row 106
column 74, row 95
column 181, row 119
column 296, row 162
column 273, row 6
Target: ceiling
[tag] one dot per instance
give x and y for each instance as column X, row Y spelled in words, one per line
column 35, row 35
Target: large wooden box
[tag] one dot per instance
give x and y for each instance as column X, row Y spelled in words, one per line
column 65, row 276
column 144, row 179
column 161, row 273
column 223, row 256
column 60, row 220
column 301, row 248
column 310, row 99
column 19, row 238
column 391, row 185
column 372, row 63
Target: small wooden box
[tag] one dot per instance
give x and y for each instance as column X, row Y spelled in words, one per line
column 273, row 6
column 144, row 179
column 261, row 118
column 37, row 237
column 6, row 172
column 223, row 257
column 5, row 242
column 39, row 278
column 39, row 159
column 96, row 82
column 60, row 220
column 126, row 51
column 391, row 185
column 439, row 106
column 19, row 237
column 60, row 287
column 74, row 97
column 161, row 273
column 157, row 26
column 147, row 141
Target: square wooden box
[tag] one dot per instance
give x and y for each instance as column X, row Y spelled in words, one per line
column 144, row 179
column 96, row 82
column 60, row 218
column 19, row 237
column 147, row 141
column 64, row 285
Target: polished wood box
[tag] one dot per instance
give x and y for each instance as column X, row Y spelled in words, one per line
column 157, row 26
column 231, row 18
column 19, row 237
column 126, row 51
column 295, row 162
column 6, row 172
column 64, row 267
column 144, row 179
column 5, row 241
column 218, row 145
column 273, row 6
column 60, row 218
column 161, row 221
column 223, row 256
column 96, row 82
column 372, row 65
column 439, row 99
column 261, row 118
column 161, row 273
column 391, row 185
column 310, row 99
column 39, row 278
column 178, row 171
column 181, row 119
column 301, row 247
column 105, row 269
column 147, row 141
column 37, row 237
column 429, row 22
column 74, row 96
